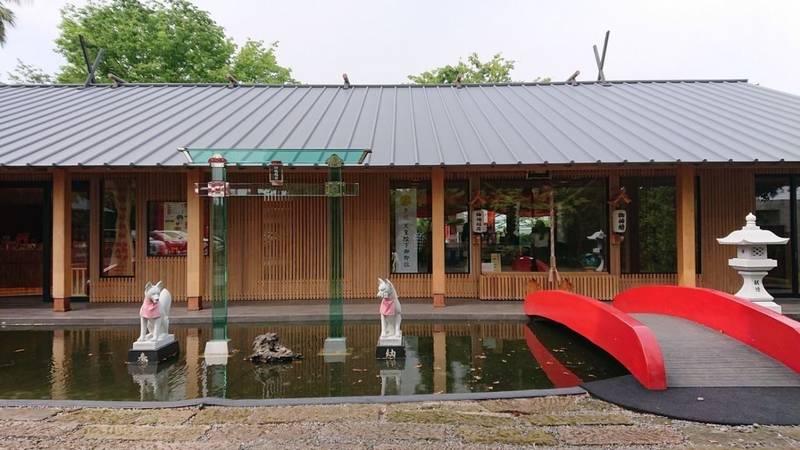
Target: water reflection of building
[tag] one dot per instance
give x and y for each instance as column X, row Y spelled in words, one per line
column 450, row 357
column 153, row 381
column 391, row 373
column 59, row 367
column 85, row 363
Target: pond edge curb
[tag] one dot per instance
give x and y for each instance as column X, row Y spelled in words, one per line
column 224, row 402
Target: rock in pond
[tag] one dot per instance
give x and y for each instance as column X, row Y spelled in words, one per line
column 267, row 349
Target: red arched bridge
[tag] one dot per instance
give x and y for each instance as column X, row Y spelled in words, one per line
column 669, row 336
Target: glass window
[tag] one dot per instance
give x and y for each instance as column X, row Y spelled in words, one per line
column 410, row 223
column 456, row 221
column 80, row 237
column 649, row 245
column 774, row 213
column 166, row 229
column 118, row 228
column 518, row 219
column 22, row 239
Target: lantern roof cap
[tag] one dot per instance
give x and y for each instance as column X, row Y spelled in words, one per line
column 752, row 234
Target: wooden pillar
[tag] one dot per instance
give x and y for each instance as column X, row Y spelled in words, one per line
column 62, row 240
column 95, row 231
column 437, row 229
column 475, row 238
column 685, row 221
column 194, row 247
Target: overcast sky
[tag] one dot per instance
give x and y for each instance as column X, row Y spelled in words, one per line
column 384, row 41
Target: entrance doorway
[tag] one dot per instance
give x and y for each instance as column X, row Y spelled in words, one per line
column 776, row 211
column 25, row 240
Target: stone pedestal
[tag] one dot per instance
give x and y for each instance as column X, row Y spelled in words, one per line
column 753, row 285
column 153, row 352
column 390, row 348
column 216, row 353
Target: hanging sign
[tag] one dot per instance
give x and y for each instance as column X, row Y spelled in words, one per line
column 218, row 189
column 276, row 173
column 405, row 227
column 619, row 221
column 480, row 221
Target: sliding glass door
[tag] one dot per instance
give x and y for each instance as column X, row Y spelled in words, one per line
column 776, row 210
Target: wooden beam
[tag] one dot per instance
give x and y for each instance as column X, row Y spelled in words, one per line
column 194, row 247
column 62, row 240
column 437, row 228
column 685, row 221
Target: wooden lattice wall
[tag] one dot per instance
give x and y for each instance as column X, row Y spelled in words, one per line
column 279, row 249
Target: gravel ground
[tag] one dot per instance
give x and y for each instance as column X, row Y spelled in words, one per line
column 547, row 422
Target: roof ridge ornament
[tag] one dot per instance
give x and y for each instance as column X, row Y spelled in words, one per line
column 91, row 69
column 116, row 81
column 601, row 60
column 573, row 79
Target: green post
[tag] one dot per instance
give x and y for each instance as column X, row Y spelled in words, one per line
column 218, row 248
column 334, row 190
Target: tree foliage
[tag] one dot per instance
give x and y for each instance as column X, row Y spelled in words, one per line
column 496, row 70
column 255, row 63
column 29, row 74
column 158, row 41
column 7, row 18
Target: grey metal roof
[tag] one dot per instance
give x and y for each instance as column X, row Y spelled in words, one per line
column 625, row 121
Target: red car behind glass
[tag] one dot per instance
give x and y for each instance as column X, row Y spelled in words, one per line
column 167, row 242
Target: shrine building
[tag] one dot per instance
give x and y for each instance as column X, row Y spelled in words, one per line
column 466, row 192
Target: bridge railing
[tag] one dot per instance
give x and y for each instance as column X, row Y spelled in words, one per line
column 622, row 336
column 763, row 329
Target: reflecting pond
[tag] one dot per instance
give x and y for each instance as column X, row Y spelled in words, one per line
column 89, row 363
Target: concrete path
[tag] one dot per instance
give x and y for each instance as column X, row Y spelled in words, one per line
column 33, row 312
column 697, row 356
column 86, row 314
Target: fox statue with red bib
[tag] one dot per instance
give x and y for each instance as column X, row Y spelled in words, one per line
column 154, row 344
column 390, row 343
column 154, row 313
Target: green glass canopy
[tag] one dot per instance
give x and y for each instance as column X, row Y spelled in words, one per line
column 264, row 156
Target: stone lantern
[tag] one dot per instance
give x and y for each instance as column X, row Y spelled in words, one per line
column 751, row 260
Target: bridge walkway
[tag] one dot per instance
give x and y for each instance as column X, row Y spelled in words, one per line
column 698, row 356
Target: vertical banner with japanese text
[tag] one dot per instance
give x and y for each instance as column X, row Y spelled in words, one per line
column 406, row 230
